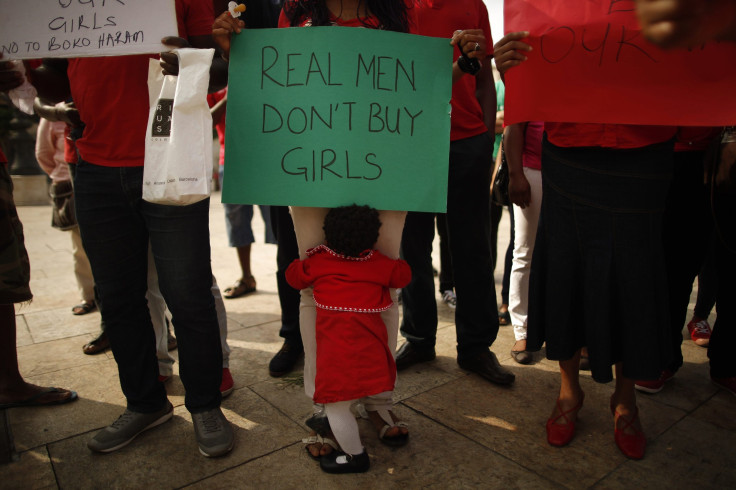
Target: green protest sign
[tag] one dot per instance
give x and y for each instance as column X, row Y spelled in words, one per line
column 329, row 116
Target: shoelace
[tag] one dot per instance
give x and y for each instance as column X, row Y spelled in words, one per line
column 211, row 423
column 123, row 420
column 702, row 327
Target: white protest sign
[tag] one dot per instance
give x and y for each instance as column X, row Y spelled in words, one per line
column 71, row 28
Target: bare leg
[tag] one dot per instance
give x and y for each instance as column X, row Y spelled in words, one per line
column 570, row 391
column 623, row 402
column 244, row 259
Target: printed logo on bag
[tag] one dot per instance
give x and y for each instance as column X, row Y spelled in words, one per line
column 162, row 119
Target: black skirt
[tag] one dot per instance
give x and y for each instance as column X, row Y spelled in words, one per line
column 598, row 277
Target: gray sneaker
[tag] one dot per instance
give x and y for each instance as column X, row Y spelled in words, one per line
column 126, row 428
column 214, row 434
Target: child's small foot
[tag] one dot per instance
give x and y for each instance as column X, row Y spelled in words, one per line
column 339, row 462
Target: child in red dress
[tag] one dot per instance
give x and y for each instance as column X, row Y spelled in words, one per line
column 351, row 284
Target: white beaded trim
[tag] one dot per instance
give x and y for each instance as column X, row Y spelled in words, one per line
column 325, row 248
column 353, row 310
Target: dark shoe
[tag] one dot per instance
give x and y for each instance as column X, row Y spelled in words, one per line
column 214, row 433
column 339, row 462
column 522, row 356
column 242, row 286
column 84, row 307
column 121, row 432
column 319, row 423
column 44, row 397
column 285, row 359
column 486, row 365
column 98, row 345
column 409, row 354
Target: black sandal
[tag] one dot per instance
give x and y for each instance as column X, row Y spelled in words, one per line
column 84, row 307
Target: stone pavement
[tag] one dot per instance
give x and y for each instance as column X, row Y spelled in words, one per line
column 465, row 432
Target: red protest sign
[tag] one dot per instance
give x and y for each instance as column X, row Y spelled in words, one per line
column 590, row 63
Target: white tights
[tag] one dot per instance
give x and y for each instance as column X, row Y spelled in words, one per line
column 344, row 426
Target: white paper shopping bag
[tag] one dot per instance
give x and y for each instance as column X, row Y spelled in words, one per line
column 178, row 161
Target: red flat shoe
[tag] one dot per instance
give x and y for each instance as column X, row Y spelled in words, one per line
column 561, row 434
column 632, row 445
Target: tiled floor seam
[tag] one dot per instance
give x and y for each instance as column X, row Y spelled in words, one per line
column 552, row 483
column 239, row 465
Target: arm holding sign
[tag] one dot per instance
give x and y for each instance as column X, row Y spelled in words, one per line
column 687, row 23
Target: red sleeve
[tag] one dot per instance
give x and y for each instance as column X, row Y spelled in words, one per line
column 283, row 21
column 215, row 97
column 195, row 17
column 485, row 24
column 3, row 159
column 400, row 275
column 297, row 276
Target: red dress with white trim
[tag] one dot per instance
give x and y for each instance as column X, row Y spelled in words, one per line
column 353, row 356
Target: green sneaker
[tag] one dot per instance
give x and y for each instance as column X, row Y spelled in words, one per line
column 214, row 434
column 121, row 432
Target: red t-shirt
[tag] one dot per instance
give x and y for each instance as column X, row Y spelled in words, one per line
column 695, row 138
column 441, row 18
column 620, row 136
column 111, row 94
column 3, row 158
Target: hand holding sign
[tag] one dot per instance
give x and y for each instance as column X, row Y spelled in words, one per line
column 687, row 23
column 508, row 52
column 472, row 43
column 222, row 31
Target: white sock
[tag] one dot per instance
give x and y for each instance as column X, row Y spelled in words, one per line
column 344, row 426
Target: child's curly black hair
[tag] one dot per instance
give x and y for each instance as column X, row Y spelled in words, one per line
column 350, row 230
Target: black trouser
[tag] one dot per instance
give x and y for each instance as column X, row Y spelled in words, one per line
column 468, row 226
column 286, row 252
column 687, row 233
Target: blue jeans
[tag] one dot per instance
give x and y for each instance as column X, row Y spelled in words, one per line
column 116, row 225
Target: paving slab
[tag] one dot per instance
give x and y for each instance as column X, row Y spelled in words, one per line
column 167, row 456
column 33, row 470
column 465, row 431
column 461, row 463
